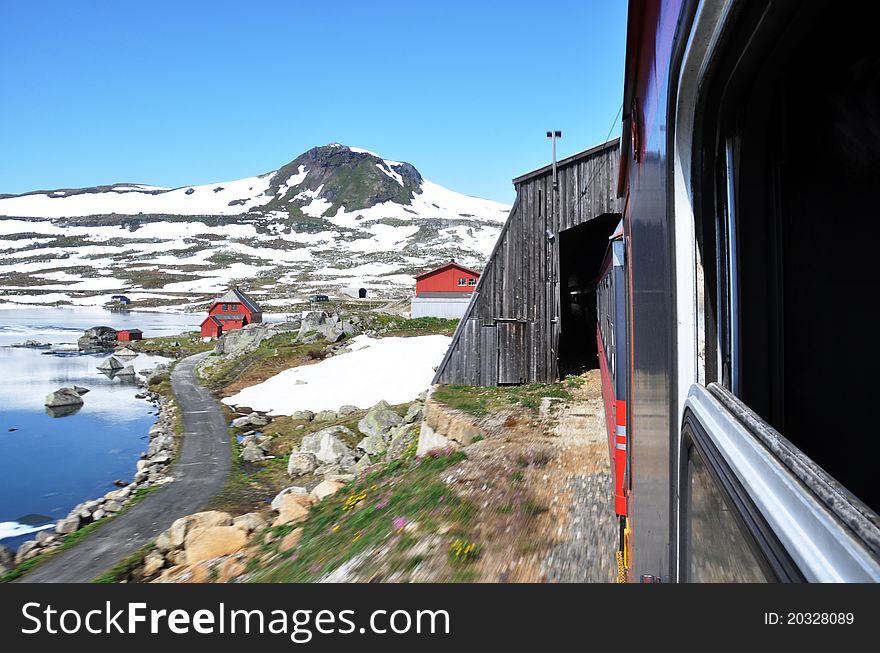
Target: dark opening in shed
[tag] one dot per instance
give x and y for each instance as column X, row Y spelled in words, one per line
column 362, row 293
column 581, row 251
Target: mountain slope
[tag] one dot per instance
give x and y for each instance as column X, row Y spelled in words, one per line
column 333, row 218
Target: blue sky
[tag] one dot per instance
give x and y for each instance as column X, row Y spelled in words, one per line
column 178, row 93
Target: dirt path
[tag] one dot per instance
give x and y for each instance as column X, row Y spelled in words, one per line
column 199, row 473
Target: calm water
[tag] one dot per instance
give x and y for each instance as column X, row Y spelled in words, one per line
column 50, row 464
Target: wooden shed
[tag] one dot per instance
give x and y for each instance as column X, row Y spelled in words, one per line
column 533, row 310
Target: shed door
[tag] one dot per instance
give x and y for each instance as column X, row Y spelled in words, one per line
column 511, row 352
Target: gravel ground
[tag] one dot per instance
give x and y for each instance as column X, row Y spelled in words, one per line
column 587, row 553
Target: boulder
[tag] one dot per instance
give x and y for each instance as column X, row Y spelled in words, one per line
column 413, row 414
column 213, row 541
column 229, row 569
column 304, row 415
column 325, row 416
column 363, row 463
column 401, row 438
column 325, row 489
column 250, row 522
column 293, row 490
column 301, row 463
column 128, row 370
column 112, row 364
column 252, row 453
column 174, row 537
column 63, row 397
column 373, row 445
column 291, row 510
column 26, row 551
column 99, row 338
column 290, row 540
column 153, row 563
column 242, row 341
column 80, row 390
column 379, row 420
column 6, row 558
column 68, row 525
column 347, row 410
column 325, row 444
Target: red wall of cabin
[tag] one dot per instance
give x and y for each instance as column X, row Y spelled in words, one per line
column 445, row 281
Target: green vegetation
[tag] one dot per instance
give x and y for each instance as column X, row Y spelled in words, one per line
column 74, row 538
column 370, row 512
column 271, row 356
column 480, row 401
column 184, row 344
column 390, row 325
column 124, row 571
column 574, row 381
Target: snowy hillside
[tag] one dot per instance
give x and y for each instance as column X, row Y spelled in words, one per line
column 334, row 218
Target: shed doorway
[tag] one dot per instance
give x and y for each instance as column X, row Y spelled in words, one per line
column 581, row 252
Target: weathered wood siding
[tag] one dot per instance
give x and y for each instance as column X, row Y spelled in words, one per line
column 509, row 334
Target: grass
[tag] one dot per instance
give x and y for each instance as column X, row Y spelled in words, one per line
column 272, row 355
column 124, row 571
column 390, row 325
column 368, row 513
column 480, row 401
column 74, row 538
column 184, row 344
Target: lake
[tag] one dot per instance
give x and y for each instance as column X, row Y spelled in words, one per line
column 50, row 464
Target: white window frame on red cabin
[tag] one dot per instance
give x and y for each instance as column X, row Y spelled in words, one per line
column 472, row 281
column 462, row 281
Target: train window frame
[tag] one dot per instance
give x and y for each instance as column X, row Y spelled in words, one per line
column 765, row 548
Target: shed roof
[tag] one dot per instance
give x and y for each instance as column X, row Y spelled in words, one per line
column 574, row 158
column 451, row 264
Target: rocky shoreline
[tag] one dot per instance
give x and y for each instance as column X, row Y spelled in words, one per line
column 150, row 472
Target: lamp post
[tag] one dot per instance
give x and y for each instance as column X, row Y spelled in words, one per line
column 553, row 263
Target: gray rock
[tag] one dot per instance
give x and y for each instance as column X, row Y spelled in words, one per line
column 301, row 463
column 364, row 463
column 379, row 420
column 304, row 415
column 100, row 513
column 68, row 525
column 325, row 416
column 402, row 437
column 325, row 444
column 250, row 522
column 112, row 364
column 346, row 410
column 293, row 489
column 243, row 341
column 372, row 445
column 126, row 371
column 413, row 414
column 252, row 453
column 113, row 506
column 6, row 557
column 63, row 397
column 26, row 550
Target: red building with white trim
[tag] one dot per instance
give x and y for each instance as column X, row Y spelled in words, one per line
column 229, row 312
column 445, row 291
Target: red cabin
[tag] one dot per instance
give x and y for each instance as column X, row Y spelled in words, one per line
column 449, row 280
column 230, row 312
column 125, row 335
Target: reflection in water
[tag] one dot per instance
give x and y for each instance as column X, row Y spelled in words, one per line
column 62, row 411
column 719, row 551
column 49, row 464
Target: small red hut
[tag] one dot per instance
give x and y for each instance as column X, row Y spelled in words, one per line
column 126, row 335
column 448, row 278
column 229, row 312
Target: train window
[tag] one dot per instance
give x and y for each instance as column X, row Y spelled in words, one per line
column 718, row 551
column 796, row 166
